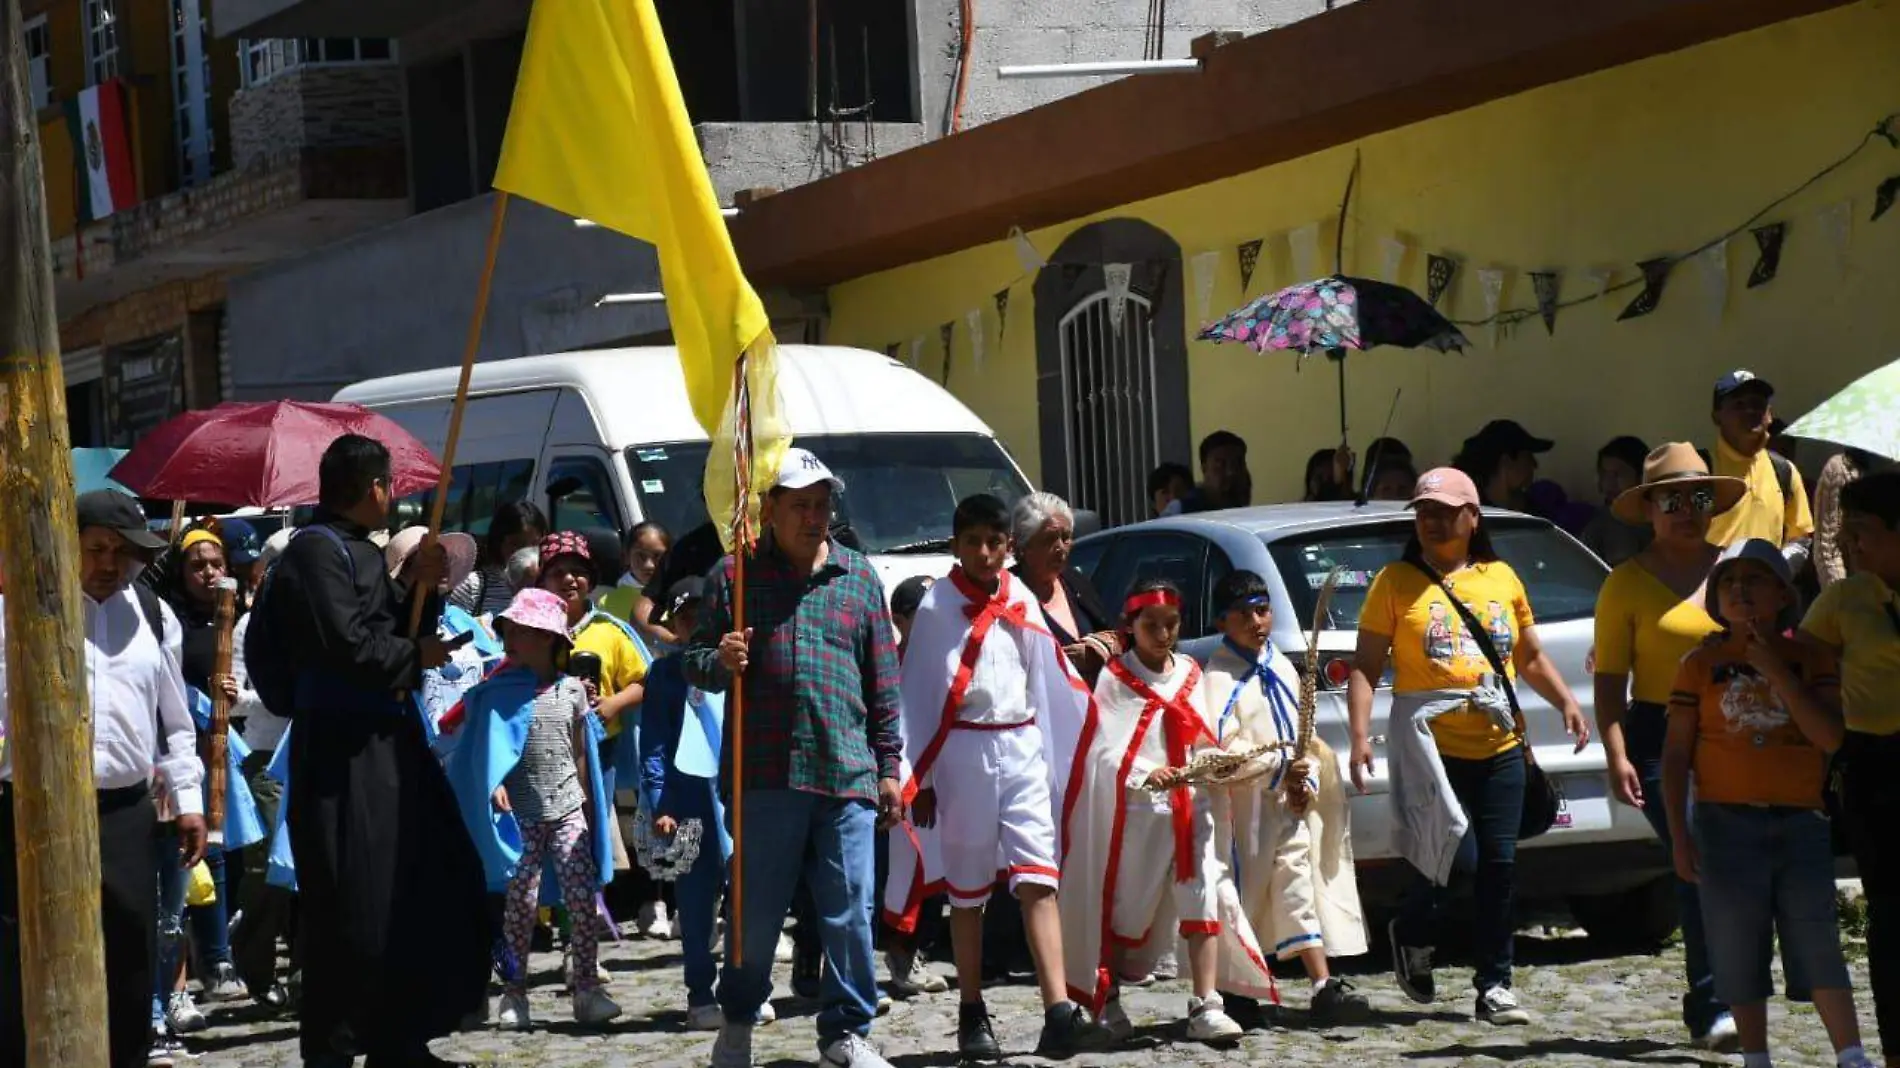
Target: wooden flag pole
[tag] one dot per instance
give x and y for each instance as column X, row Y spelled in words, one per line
column 735, row 706
column 473, row 345
column 217, row 739
column 55, row 806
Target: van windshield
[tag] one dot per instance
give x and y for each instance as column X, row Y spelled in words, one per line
column 900, row 489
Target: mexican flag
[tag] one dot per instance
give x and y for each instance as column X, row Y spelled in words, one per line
column 102, row 151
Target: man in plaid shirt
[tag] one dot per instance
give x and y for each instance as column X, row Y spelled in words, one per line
column 818, row 666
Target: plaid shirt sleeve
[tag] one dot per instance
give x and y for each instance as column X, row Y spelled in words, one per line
column 879, row 668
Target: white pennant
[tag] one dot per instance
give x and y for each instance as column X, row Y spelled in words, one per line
column 1115, row 278
column 1837, row 227
column 1303, row 244
column 1491, row 285
column 1712, row 265
column 1392, row 258
column 975, row 317
column 1204, row 264
column 1597, row 279
column 1027, row 257
column 916, row 351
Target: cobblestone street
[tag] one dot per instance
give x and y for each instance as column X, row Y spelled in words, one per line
column 1590, row 1010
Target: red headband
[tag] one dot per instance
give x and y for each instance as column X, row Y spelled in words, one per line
column 1148, row 599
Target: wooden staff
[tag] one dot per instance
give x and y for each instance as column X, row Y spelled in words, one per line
column 217, row 740
column 735, row 703
column 1309, row 679
column 55, row 807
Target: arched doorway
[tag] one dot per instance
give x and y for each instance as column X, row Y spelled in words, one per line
column 1112, row 401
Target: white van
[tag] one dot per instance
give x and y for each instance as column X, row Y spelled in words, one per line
column 612, row 431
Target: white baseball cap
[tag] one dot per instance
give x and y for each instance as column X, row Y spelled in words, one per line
column 801, row 470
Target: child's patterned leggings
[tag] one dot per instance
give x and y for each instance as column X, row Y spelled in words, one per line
column 565, row 841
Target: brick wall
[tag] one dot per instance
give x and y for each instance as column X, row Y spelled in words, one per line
column 162, row 309
column 316, row 107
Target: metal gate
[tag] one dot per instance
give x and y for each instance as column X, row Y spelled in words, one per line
column 1108, row 407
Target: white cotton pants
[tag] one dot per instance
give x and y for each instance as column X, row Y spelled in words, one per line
column 1146, row 880
column 994, row 815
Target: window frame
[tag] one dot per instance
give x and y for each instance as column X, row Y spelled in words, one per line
column 603, row 490
column 261, row 59
column 39, row 68
column 101, row 40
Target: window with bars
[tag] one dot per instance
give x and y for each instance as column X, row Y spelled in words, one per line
column 102, row 40
column 191, row 90
column 39, row 50
column 1109, row 410
column 266, row 58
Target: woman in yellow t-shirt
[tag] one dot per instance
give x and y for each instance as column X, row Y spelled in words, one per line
column 1650, row 614
column 1408, row 620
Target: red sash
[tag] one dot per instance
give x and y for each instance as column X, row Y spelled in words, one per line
column 985, row 611
column 1181, row 726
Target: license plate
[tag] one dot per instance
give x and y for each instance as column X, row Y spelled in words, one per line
column 1584, row 805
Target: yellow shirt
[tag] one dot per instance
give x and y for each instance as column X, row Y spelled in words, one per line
column 1645, row 629
column 621, row 664
column 1431, row 651
column 1763, row 512
column 620, row 601
column 1851, row 616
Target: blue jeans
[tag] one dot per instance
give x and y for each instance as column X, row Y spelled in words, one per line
column 1768, row 876
column 696, row 894
column 210, row 924
column 828, row 842
column 1645, row 726
column 1492, row 794
column 169, row 885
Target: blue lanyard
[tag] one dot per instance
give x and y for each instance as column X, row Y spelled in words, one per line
column 1280, row 697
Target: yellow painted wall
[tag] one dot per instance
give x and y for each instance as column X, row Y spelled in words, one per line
column 1617, row 167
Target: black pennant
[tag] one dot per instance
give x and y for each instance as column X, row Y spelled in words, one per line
column 1249, row 259
column 1071, row 274
column 1547, row 284
column 1002, row 312
column 1884, row 195
column 1768, row 241
column 1438, row 273
column 1655, row 276
column 949, row 332
column 891, row 350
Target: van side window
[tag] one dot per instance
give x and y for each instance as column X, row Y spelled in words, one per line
column 475, row 490
column 591, row 503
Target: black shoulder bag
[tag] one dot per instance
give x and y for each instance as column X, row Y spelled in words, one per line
column 1542, row 798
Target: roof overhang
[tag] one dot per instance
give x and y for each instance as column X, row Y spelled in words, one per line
column 1329, row 80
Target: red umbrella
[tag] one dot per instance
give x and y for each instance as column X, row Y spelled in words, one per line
column 263, row 454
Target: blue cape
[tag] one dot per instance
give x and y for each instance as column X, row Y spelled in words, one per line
column 283, row 864
column 242, row 825
column 499, row 711
column 457, row 622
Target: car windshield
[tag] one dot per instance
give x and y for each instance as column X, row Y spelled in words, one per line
column 900, row 489
column 1560, row 577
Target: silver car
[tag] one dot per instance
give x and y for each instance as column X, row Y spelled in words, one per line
column 1601, row 858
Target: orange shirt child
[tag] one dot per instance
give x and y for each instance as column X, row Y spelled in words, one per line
column 1748, row 750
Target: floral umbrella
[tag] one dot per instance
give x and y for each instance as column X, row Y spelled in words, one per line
column 1333, row 314
column 1864, row 416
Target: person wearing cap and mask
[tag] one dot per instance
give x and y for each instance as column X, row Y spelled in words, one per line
column 1502, row 459
column 821, row 743
column 1776, row 506
column 142, row 738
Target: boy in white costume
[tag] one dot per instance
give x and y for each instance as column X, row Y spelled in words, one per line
column 1140, row 840
column 1286, row 827
column 990, row 722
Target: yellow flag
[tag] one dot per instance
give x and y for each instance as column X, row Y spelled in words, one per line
column 599, row 131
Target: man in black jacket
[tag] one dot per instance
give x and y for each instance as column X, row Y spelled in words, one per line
column 391, row 889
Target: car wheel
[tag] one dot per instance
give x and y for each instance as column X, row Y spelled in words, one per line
column 1642, row 918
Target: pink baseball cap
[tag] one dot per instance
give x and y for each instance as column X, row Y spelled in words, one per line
column 537, row 609
column 1445, row 485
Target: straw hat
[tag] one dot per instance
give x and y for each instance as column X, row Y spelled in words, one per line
column 460, row 548
column 1676, row 465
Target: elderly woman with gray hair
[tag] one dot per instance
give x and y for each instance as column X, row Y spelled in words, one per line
column 1043, row 528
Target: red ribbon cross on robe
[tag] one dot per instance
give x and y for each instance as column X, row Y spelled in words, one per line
column 1181, row 726
column 985, row 610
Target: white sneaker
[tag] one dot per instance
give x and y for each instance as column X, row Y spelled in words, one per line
column 766, row 1014
column 593, row 1006
column 705, row 1018
column 653, row 921
column 224, row 985
column 1115, row 1019
column 1722, row 1037
column 183, row 1015
column 1208, row 1021
column 733, row 1047
column 163, row 1053
column 884, row 1004
column 786, row 950
column 1498, row 1007
column 514, row 1014
column 854, row 1052
column 911, row 977
column 1167, row 970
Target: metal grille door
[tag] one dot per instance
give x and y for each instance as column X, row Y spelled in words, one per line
column 1108, row 391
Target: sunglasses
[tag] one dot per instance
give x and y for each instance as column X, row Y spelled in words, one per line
column 1701, row 501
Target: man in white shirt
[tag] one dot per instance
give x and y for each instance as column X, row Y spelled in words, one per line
column 140, row 726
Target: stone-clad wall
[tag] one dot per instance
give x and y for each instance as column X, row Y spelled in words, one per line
column 316, row 107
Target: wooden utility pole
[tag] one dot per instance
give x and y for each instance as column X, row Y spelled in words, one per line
column 49, row 735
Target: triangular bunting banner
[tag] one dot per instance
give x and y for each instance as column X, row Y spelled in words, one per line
column 1547, row 285
column 1115, row 277
column 948, row 332
column 1303, row 245
column 1884, row 196
column 1002, row 313
column 975, row 317
column 891, row 350
column 1655, row 276
column 1391, row 258
column 1596, row 280
column 1491, row 284
column 916, row 352
column 1071, row 274
column 1837, row 227
column 1768, row 241
column 1712, row 265
column 1438, row 274
column 1027, row 257
column 1203, row 266
column 1249, row 259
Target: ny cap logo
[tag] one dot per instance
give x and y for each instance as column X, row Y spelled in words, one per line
column 810, row 462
